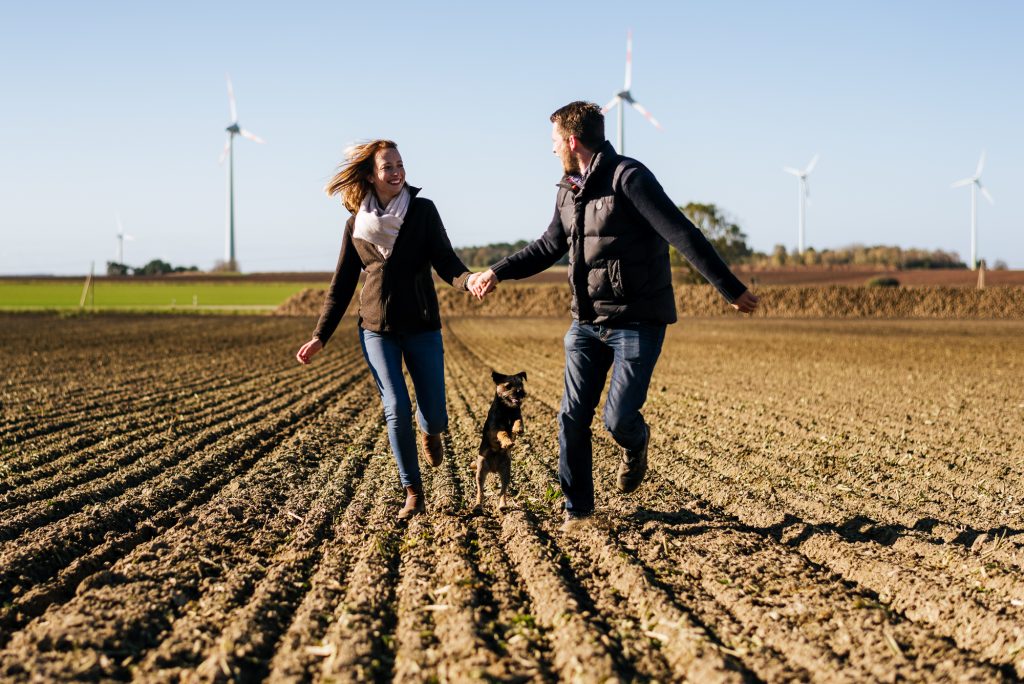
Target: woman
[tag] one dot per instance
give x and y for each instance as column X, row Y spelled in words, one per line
column 395, row 236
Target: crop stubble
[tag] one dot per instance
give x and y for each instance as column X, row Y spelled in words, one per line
column 831, row 501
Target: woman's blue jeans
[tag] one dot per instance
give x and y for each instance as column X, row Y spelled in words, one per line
column 423, row 354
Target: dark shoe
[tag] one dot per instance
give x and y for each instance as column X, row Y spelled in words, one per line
column 433, row 448
column 414, row 502
column 634, row 465
column 574, row 520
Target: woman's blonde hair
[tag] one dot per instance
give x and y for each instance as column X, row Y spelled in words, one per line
column 352, row 180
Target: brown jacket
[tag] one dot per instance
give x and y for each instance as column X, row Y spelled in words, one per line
column 398, row 293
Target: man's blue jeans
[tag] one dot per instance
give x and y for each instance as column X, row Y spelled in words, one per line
column 424, row 356
column 630, row 351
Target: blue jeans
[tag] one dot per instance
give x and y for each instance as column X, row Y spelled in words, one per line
column 424, row 356
column 630, row 351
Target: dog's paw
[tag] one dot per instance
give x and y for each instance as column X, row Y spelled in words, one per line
column 504, row 439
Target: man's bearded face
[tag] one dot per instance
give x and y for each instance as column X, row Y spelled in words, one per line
column 560, row 146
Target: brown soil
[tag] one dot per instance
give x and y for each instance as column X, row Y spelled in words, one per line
column 827, row 501
column 703, row 301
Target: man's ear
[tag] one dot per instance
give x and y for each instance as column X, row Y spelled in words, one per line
column 573, row 142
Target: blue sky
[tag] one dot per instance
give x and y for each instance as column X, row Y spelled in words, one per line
column 121, row 107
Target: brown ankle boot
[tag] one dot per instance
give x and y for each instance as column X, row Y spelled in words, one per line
column 414, row 502
column 433, row 448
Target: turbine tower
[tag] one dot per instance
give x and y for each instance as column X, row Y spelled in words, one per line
column 229, row 151
column 805, row 193
column 975, row 183
column 121, row 237
column 624, row 97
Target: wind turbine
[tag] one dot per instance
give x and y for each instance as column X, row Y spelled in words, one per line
column 121, row 237
column 229, row 151
column 975, row 183
column 624, row 97
column 805, row 193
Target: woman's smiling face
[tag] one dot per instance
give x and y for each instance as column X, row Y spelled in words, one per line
column 388, row 174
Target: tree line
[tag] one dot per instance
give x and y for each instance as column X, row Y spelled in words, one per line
column 154, row 267
column 479, row 257
column 729, row 239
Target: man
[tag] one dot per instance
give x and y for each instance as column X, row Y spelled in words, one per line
column 616, row 223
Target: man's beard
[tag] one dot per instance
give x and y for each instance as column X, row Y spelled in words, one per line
column 570, row 163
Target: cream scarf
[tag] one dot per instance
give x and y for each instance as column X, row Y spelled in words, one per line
column 380, row 226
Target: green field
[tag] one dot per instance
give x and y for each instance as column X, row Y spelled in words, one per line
column 34, row 295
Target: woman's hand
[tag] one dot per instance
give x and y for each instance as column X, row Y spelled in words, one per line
column 308, row 350
column 482, row 283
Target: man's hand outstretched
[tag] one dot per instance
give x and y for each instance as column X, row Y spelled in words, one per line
column 307, row 350
column 482, row 283
column 746, row 302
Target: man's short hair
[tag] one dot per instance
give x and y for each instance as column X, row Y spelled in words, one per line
column 582, row 119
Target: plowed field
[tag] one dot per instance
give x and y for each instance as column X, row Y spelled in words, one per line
column 827, row 501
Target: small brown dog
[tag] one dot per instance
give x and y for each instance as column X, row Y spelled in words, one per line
column 504, row 423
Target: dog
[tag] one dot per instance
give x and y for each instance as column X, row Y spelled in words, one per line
column 503, row 425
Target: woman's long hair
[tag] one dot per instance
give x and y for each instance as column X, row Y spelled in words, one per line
column 352, row 180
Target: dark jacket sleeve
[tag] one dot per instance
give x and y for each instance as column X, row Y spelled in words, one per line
column 442, row 257
column 647, row 196
column 343, row 286
column 540, row 254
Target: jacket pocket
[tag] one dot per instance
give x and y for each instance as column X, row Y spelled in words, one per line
column 615, row 278
column 422, row 301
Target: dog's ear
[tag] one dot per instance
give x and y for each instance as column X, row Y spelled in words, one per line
column 498, row 377
column 521, row 374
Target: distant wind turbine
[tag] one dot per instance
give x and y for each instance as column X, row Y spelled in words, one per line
column 975, row 183
column 624, row 97
column 121, row 237
column 805, row 193
column 229, row 152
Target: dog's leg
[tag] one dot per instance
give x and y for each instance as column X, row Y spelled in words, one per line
column 481, row 477
column 517, row 427
column 506, row 476
column 504, row 439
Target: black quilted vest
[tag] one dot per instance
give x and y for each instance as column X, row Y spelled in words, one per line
column 619, row 268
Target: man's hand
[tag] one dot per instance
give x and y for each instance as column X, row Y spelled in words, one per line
column 482, row 283
column 746, row 302
column 308, row 350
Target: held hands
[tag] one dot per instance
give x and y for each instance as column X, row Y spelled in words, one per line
column 482, row 283
column 308, row 350
column 746, row 302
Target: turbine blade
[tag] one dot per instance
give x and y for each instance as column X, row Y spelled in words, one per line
column 250, row 136
column 790, row 169
column 224, row 154
column 231, row 100
column 962, row 183
column 120, row 228
column 629, row 59
column 129, row 237
column 611, row 105
column 810, row 167
column 986, row 193
column 647, row 115
column 807, row 190
column 981, row 165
